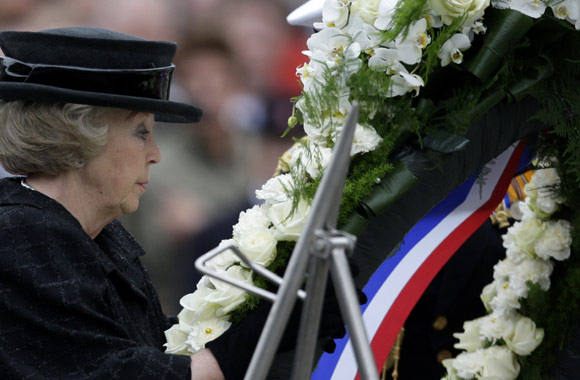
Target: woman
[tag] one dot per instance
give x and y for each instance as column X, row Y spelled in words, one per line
column 76, row 120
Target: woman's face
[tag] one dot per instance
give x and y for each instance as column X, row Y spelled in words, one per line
column 118, row 175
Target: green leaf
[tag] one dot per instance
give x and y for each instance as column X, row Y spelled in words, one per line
column 505, row 29
column 391, row 188
column 444, row 142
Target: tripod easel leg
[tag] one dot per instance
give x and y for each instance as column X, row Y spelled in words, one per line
column 349, row 307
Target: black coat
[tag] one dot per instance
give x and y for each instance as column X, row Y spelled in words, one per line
column 72, row 307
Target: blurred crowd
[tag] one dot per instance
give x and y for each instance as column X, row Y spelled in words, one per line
column 236, row 59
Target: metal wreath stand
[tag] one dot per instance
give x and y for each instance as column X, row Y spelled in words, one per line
column 321, row 248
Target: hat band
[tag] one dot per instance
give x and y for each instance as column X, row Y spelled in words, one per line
column 145, row 83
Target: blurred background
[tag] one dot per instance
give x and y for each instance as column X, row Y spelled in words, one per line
column 237, row 59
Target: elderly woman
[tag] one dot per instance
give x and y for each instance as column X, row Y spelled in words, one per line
column 76, row 122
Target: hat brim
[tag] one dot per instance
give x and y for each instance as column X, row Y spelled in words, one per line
column 164, row 110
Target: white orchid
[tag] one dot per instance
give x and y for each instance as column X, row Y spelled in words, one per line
column 411, row 45
column 451, row 51
column 532, row 8
column 336, row 46
column 386, row 59
column 403, row 82
column 335, row 13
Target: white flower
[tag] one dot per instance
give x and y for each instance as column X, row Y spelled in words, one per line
column 276, row 189
column 568, row 10
column 288, row 220
column 403, row 82
column 488, row 293
column 335, row 13
column 523, row 337
column 336, row 46
column 313, row 158
column 499, row 362
column 451, row 51
column 228, row 297
column 368, row 10
column 517, row 209
column 541, row 191
column 386, row 59
column 365, row 139
column 258, row 245
column 311, row 74
column 255, row 217
column 502, row 270
column 493, row 326
column 195, row 306
column 532, row 8
column 505, row 301
column 386, row 11
column 449, row 10
column 410, row 46
column 469, row 339
column 225, row 259
column 450, row 369
column 176, row 338
column 468, row 364
column 555, row 241
column 206, row 331
column 530, row 270
column 526, row 233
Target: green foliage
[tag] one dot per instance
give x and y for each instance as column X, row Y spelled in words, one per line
column 407, row 12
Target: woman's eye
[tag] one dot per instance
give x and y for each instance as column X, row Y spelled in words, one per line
column 143, row 132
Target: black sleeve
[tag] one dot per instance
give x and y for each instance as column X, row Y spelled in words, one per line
column 57, row 320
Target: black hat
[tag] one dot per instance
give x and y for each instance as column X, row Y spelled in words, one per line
column 91, row 66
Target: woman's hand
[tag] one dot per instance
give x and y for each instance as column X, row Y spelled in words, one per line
column 205, row 367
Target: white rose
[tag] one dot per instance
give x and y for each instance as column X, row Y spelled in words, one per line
column 255, row 217
column 276, row 189
column 223, row 260
column 228, row 297
column 258, row 245
column 555, row 241
column 524, row 337
column 500, row 362
column 449, row 10
column 176, row 338
column 365, row 139
column 288, row 220
column 468, row 364
column 206, row 331
column 195, row 307
column 527, row 233
column 368, row 10
column 469, row 339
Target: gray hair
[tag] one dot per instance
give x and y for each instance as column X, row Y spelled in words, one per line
column 49, row 138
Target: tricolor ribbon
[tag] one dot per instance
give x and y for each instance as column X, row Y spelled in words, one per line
column 396, row 286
